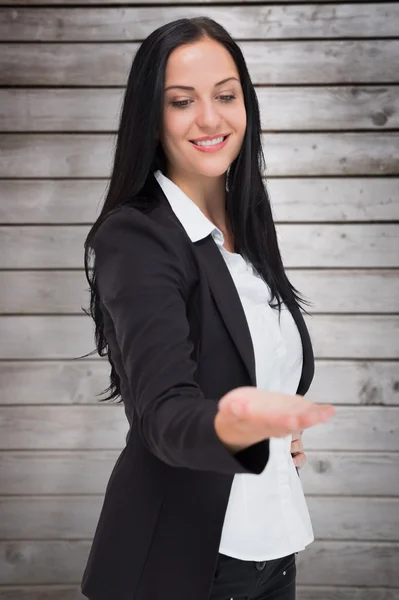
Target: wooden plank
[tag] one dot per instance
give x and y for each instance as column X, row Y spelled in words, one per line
column 361, row 519
column 339, row 246
column 44, row 428
column 39, row 562
column 287, row 154
column 41, row 292
column 71, row 337
column 301, row 245
column 146, row 2
column 46, row 338
column 269, row 62
column 61, row 472
column 70, row 382
column 360, row 382
column 305, row 199
column 351, row 199
column 347, row 291
column 87, row 472
column 330, row 473
column 361, row 428
column 358, row 563
column 75, row 517
column 49, row 517
column 105, row 426
column 60, row 155
column 282, row 108
column 334, row 592
column 346, row 333
column 60, row 201
column 54, row 382
column 60, row 592
column 71, row 592
column 242, row 22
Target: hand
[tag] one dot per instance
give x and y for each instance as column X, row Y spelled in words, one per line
column 248, row 415
column 297, row 453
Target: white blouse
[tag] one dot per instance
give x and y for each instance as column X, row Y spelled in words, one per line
column 267, row 515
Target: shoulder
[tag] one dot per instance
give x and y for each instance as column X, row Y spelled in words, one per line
column 146, row 240
column 130, row 225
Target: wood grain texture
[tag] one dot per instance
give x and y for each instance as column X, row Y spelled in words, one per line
column 75, row 517
column 242, row 22
column 329, row 103
column 301, row 245
column 61, row 201
column 338, row 473
column 105, row 427
column 358, row 563
column 36, row 472
column 72, row 592
column 69, row 382
column 335, row 592
column 335, row 291
column 360, row 382
column 287, row 154
column 275, row 62
column 54, row 382
column 282, row 109
column 71, row 337
column 99, row 3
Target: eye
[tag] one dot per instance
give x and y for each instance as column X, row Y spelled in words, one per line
column 180, row 103
column 183, row 103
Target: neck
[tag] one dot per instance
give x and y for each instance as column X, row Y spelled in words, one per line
column 208, row 193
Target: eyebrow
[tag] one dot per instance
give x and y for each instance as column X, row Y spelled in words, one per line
column 191, row 89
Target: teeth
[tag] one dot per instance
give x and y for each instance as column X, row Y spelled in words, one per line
column 218, row 140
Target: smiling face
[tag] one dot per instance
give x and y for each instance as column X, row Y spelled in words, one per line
column 203, row 99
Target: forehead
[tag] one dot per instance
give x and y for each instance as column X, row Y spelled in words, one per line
column 202, row 62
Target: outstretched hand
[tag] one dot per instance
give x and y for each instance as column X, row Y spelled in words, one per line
column 248, row 415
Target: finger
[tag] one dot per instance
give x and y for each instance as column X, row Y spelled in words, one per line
column 296, row 436
column 299, row 459
column 296, row 447
column 317, row 414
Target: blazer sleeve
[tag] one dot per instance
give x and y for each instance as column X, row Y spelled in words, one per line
column 142, row 282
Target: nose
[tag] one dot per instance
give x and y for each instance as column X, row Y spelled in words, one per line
column 208, row 116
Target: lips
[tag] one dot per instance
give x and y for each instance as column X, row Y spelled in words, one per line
column 210, row 138
column 212, row 147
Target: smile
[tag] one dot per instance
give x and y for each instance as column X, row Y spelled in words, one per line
column 211, row 145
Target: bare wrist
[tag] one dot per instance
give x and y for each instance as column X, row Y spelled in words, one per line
column 220, row 428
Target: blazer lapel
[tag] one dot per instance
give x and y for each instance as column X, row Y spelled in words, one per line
column 230, row 308
column 227, row 300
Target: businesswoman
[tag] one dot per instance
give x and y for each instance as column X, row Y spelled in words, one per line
column 207, row 345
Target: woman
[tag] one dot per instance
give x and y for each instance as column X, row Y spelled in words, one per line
column 207, row 346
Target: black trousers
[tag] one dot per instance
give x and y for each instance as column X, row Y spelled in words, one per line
column 248, row 580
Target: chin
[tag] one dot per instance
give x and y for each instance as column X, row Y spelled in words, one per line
column 216, row 169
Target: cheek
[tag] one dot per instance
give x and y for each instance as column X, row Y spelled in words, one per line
column 176, row 126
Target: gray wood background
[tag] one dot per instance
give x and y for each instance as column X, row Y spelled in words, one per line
column 327, row 77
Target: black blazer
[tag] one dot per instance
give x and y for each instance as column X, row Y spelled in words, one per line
column 179, row 340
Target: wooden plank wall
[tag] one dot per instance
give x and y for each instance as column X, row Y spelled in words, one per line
column 327, row 77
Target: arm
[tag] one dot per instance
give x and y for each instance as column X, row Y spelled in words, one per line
column 142, row 285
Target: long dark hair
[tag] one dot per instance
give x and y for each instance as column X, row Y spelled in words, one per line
column 138, row 154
